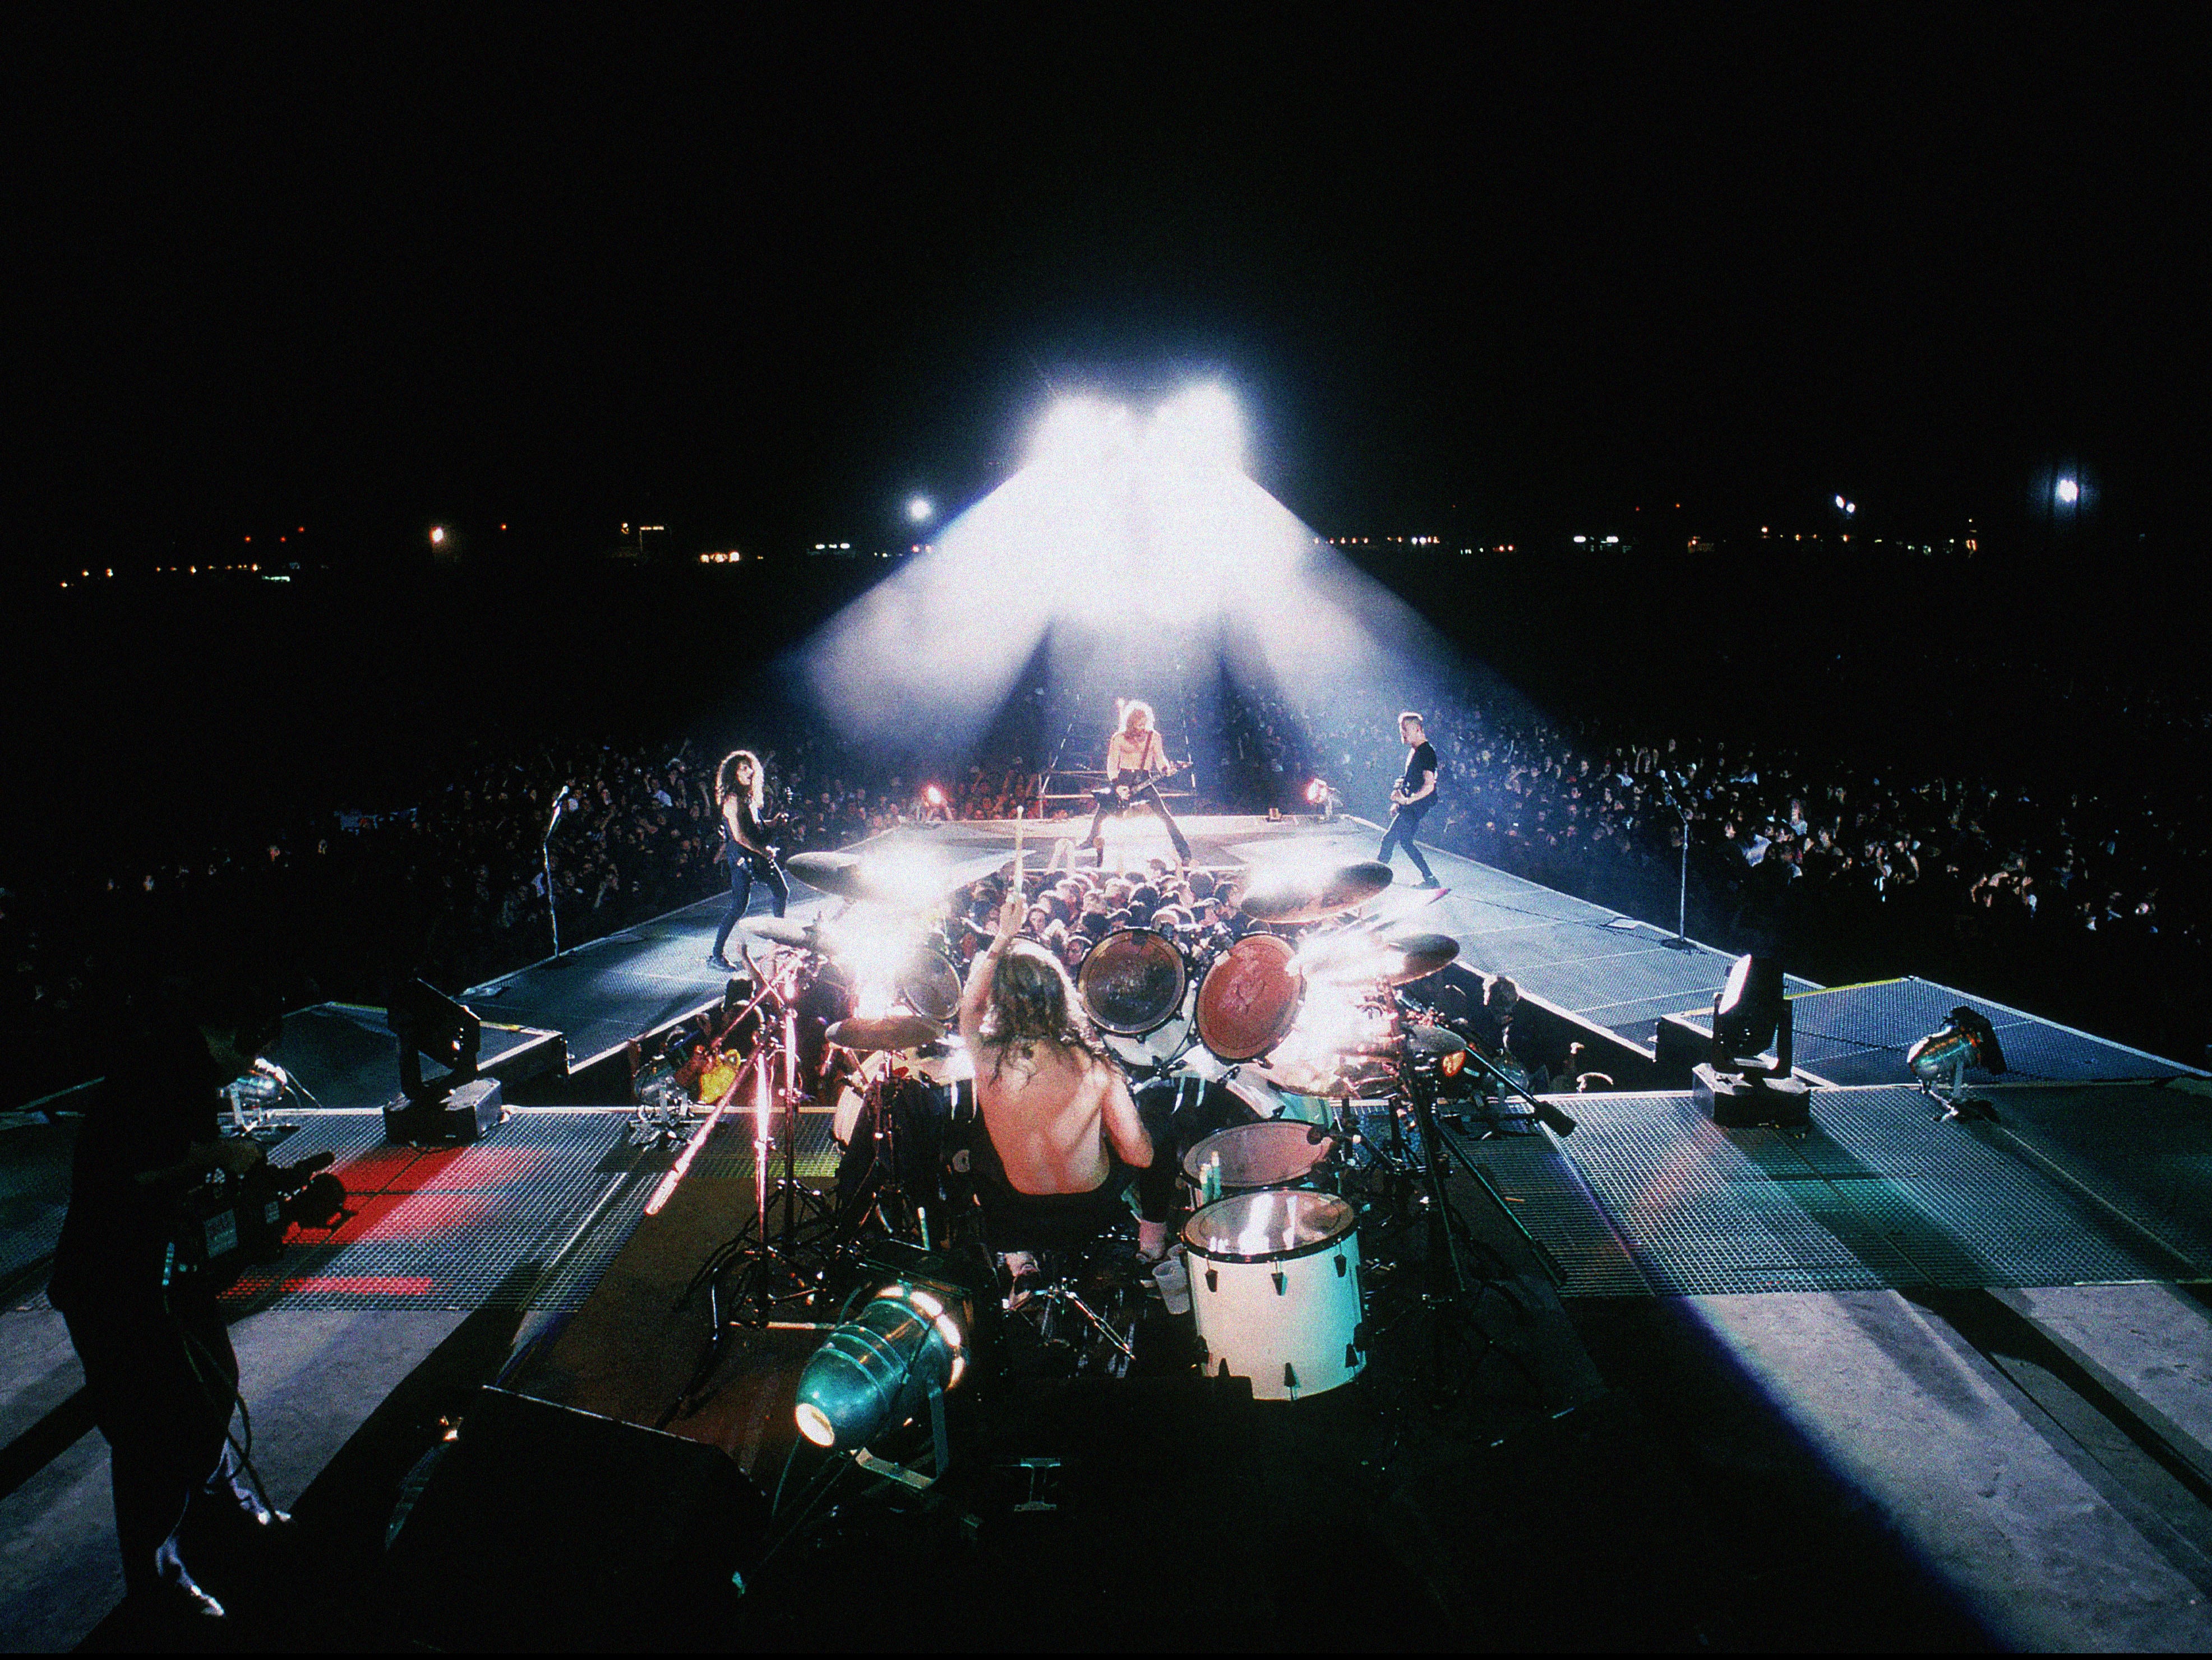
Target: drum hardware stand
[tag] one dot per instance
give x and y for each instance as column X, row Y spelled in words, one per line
column 1448, row 1297
column 774, row 1273
column 1539, row 1113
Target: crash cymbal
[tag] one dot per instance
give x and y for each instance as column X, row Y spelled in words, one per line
column 892, row 1032
column 808, row 936
column 1417, row 956
column 1306, row 896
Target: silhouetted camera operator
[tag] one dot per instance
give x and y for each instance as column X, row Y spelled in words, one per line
column 157, row 1358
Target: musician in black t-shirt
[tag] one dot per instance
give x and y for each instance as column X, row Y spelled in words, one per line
column 158, row 1362
column 741, row 787
column 1411, row 796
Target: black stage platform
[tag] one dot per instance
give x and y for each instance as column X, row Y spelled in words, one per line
column 1883, row 1381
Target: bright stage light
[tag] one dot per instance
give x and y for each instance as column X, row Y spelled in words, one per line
column 1114, row 525
column 877, row 1370
column 2070, row 491
column 1198, row 427
column 919, row 509
column 437, row 536
column 1079, row 432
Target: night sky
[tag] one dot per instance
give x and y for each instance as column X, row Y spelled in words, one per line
column 759, row 274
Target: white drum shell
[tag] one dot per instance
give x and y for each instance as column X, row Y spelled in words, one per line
column 1291, row 1326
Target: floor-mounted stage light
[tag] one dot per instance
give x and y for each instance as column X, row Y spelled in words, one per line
column 896, row 1358
column 1940, row 1060
column 1740, row 1083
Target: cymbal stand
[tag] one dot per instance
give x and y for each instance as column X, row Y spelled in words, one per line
column 774, row 1277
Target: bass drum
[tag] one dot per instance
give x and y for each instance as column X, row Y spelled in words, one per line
column 930, row 986
column 1156, row 1052
column 1274, row 1284
column 1249, row 1000
column 1131, row 981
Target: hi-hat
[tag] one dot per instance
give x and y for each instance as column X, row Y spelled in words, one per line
column 892, row 1032
column 1310, row 896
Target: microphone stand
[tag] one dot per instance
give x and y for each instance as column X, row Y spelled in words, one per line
column 545, row 852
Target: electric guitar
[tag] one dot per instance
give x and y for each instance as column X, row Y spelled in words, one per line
column 766, row 824
column 1124, row 785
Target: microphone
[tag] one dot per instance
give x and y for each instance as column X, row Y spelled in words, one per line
column 559, row 802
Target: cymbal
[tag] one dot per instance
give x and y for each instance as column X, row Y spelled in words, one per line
column 1436, row 1040
column 808, row 936
column 1416, row 955
column 846, row 876
column 1310, row 896
column 836, row 873
column 892, row 1032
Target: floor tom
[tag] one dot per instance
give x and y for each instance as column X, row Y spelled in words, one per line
column 1274, row 1284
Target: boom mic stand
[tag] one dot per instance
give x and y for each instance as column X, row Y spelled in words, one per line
column 545, row 853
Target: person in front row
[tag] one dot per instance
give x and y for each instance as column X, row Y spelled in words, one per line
column 1063, row 1138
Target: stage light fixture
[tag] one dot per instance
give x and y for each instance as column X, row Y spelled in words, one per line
column 877, row 1371
column 919, row 509
column 2070, row 491
column 1940, row 1059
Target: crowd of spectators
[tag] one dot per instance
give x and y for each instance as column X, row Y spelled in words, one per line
column 2003, row 885
column 1986, row 881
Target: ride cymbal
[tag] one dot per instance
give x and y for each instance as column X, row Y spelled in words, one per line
column 807, row 936
column 834, row 874
column 1417, row 956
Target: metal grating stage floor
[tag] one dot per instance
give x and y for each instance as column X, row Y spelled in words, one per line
column 1860, row 1034
column 528, row 1218
column 1650, row 1196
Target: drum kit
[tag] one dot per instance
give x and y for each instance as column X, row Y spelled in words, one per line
column 1304, row 1022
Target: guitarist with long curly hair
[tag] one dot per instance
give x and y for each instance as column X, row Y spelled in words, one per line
column 1136, row 761
column 740, row 788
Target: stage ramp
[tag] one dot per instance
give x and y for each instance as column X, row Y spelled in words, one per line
column 2080, row 1185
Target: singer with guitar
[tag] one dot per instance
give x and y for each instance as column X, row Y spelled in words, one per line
column 740, row 788
column 1136, row 762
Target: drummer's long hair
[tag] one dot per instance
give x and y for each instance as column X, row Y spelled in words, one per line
column 726, row 780
column 1032, row 1000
